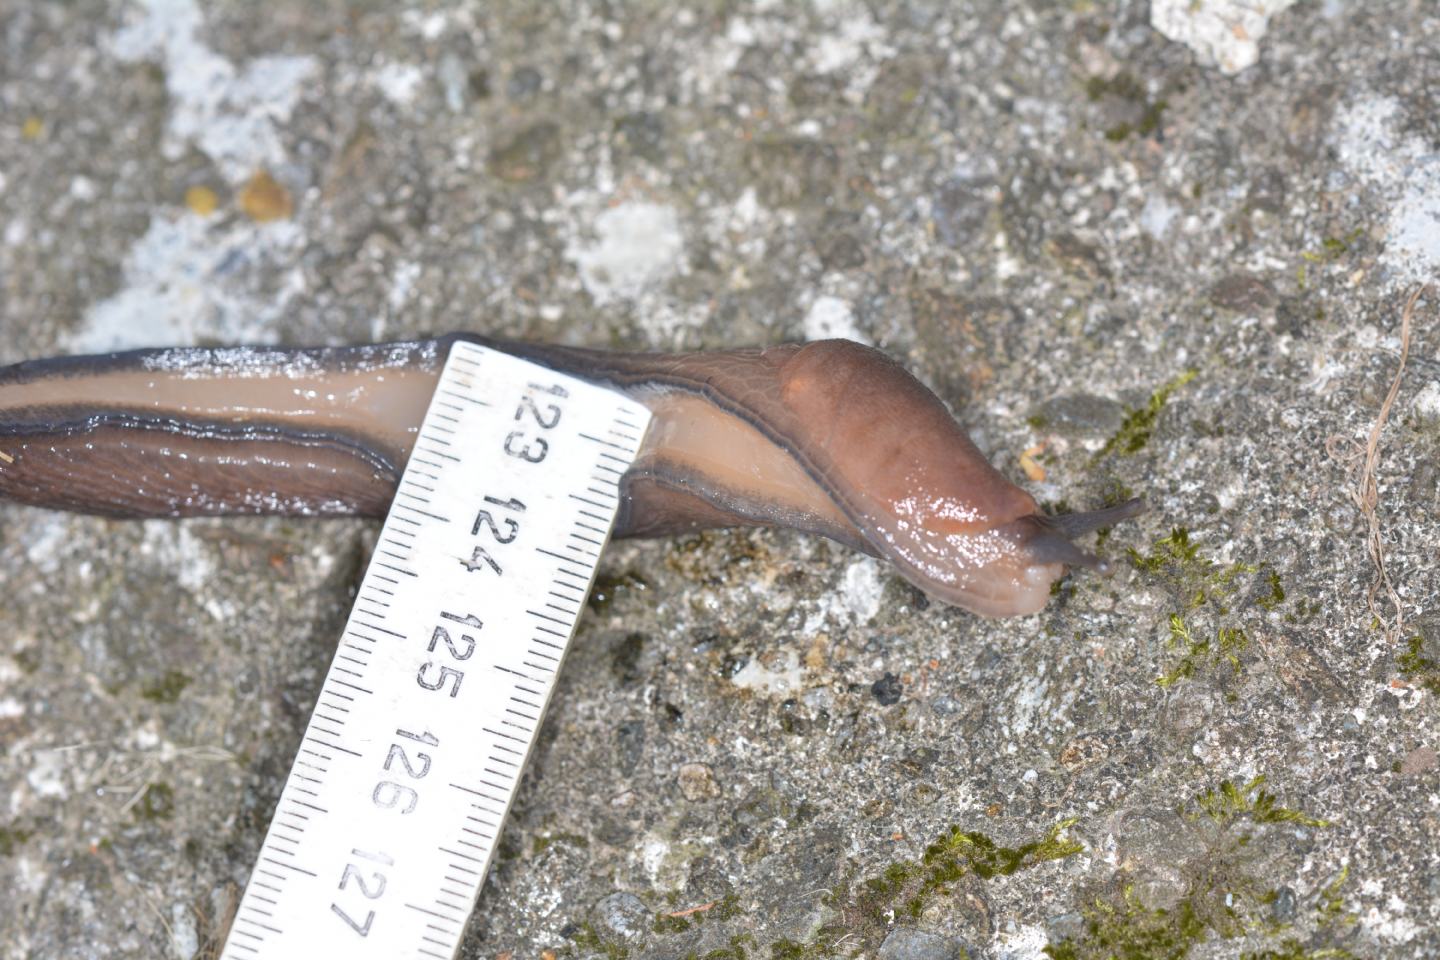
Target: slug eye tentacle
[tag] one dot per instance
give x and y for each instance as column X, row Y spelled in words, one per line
column 1046, row 540
column 1072, row 525
column 1046, row 547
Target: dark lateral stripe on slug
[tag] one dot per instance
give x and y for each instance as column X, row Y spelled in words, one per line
column 67, row 422
column 635, row 373
column 143, row 470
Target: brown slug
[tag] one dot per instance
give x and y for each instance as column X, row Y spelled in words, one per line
column 829, row 437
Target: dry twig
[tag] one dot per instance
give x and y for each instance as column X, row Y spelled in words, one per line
column 1367, row 492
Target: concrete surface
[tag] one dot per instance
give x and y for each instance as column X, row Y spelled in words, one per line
column 1051, row 211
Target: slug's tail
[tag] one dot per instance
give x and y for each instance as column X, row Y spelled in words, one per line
column 190, row 432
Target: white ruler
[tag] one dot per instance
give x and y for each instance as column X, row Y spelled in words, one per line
column 392, row 811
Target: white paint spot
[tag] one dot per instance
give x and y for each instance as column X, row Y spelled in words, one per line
column 782, row 675
column 184, row 939
column 45, row 541
column 1388, row 925
column 46, row 775
column 176, row 548
column 830, row 318
column 1405, row 173
column 858, row 36
column 1223, row 33
column 429, row 25
column 233, row 115
column 399, row 82
column 652, row 854
column 1427, row 401
column 850, row 45
column 861, row 589
column 1019, row 942
column 83, row 189
column 185, row 281
column 1029, row 703
column 10, row 708
column 1157, row 215
column 638, row 246
column 402, row 284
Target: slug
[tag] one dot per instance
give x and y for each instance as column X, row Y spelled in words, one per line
column 829, row 437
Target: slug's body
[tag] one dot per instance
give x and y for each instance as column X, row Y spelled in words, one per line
column 830, row 437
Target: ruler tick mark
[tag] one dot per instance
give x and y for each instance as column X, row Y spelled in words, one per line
column 376, row 626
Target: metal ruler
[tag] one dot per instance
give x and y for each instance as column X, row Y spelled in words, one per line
column 386, row 826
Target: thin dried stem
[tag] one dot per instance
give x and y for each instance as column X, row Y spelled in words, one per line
column 1367, row 491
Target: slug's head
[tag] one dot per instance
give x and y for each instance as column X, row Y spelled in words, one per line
column 1004, row 571
column 918, row 490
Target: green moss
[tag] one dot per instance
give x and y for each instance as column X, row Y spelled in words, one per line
column 1292, row 949
column 1174, row 550
column 1201, row 653
column 609, row 588
column 736, row 950
column 908, row 887
column 959, row 849
column 790, row 950
column 12, row 836
column 1330, row 905
column 27, row 659
column 865, row 910
column 1128, row 930
column 540, row 844
column 727, row 908
column 587, row 938
column 1139, row 423
column 1221, row 899
column 157, row 803
column 1331, row 249
column 1124, row 86
column 1227, row 803
column 1277, row 592
column 1418, row 668
column 1199, row 580
column 1204, row 589
column 167, row 689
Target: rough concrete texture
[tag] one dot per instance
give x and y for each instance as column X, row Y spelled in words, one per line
column 765, row 745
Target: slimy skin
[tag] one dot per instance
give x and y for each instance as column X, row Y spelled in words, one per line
column 830, row 437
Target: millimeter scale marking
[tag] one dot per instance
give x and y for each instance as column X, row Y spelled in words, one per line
column 387, row 823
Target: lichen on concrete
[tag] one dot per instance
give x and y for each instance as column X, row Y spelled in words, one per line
column 1050, row 212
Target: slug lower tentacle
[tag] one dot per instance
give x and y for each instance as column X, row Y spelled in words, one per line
column 830, row 437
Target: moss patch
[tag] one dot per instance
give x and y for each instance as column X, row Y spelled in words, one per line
column 1125, row 87
column 1418, row 668
column 1222, row 898
column 12, row 836
column 1331, row 250
column 1203, row 635
column 167, row 689
column 863, row 910
column 1139, row 423
column 1177, row 560
column 158, row 803
column 1198, row 653
column 1227, row 803
column 540, row 844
